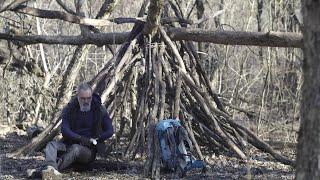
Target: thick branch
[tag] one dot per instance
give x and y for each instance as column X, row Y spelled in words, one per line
column 12, row 4
column 272, row 39
column 106, row 8
column 153, row 19
column 66, row 8
column 98, row 39
column 50, row 14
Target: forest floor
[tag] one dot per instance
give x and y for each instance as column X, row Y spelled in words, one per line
column 259, row 166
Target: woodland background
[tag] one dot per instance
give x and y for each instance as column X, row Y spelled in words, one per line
column 259, row 86
column 264, row 81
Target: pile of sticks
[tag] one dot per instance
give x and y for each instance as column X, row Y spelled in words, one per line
column 150, row 81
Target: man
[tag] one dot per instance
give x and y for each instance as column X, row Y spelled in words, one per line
column 85, row 126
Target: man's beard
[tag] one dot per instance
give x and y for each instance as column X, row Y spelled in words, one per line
column 85, row 107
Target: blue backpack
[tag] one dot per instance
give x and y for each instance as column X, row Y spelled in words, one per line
column 174, row 154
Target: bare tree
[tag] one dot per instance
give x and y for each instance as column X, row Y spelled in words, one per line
column 308, row 152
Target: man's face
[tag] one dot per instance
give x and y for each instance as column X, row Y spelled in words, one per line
column 85, row 98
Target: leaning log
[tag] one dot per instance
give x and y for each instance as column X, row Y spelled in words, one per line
column 64, row 94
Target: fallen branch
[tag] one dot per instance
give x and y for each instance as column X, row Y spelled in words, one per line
column 51, row 14
column 272, row 39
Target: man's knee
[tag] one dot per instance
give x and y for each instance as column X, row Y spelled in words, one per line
column 54, row 147
column 81, row 153
column 50, row 146
column 76, row 149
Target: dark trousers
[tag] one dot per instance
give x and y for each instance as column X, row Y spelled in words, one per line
column 61, row 156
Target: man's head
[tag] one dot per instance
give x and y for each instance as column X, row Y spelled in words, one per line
column 84, row 94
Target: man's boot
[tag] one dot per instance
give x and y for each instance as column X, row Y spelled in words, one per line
column 34, row 173
column 51, row 173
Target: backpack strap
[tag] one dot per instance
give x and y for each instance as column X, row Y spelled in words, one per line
column 183, row 136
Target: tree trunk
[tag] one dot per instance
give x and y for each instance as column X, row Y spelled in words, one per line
column 308, row 153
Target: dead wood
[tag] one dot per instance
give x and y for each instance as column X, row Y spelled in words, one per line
column 277, row 39
column 153, row 18
column 176, row 109
column 280, row 39
column 51, row 14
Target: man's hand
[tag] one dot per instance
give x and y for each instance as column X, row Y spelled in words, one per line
column 85, row 141
column 93, row 141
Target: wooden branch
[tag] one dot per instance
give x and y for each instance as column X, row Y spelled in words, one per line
column 198, row 117
column 175, row 51
column 140, row 117
column 252, row 138
column 49, row 131
column 190, row 132
column 201, row 99
column 13, row 4
column 153, row 18
column 64, row 7
column 177, row 34
column 176, row 110
column 52, row 14
column 168, row 20
column 162, row 82
column 248, row 113
column 142, row 111
column 203, row 75
column 122, row 20
column 118, row 72
column 100, row 20
column 229, row 143
column 106, row 9
column 64, row 94
column 152, row 163
column 98, row 39
column 79, row 10
column 260, row 144
column 117, row 58
column 273, row 39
